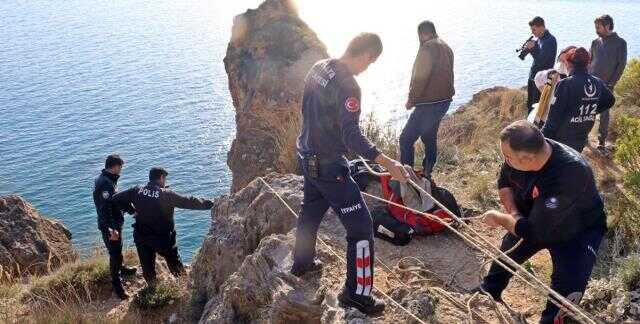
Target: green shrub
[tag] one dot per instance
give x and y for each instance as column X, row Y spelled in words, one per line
column 628, row 153
column 384, row 136
column 628, row 272
column 160, row 295
column 628, row 88
column 624, row 206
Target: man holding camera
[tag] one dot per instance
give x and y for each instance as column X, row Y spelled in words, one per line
column 543, row 50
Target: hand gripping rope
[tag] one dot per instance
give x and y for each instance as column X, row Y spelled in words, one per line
column 484, row 245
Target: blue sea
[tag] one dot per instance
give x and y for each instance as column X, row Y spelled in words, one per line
column 82, row 79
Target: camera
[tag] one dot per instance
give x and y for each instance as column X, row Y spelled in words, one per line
column 524, row 50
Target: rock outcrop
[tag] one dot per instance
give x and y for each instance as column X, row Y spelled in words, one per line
column 239, row 222
column 30, row 243
column 270, row 52
column 263, row 290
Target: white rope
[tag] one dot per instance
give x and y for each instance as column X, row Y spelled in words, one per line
column 562, row 303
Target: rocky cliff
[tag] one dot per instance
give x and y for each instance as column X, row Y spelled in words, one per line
column 30, row 243
column 268, row 56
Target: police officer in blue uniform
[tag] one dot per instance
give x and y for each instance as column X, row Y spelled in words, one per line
column 154, row 229
column 578, row 99
column 331, row 112
column 110, row 220
column 551, row 201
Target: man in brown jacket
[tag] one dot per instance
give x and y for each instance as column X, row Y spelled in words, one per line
column 430, row 93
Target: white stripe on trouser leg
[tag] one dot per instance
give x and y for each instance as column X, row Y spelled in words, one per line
column 363, row 268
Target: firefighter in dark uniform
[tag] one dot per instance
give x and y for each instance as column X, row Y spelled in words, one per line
column 331, row 112
column 577, row 101
column 551, row 201
column 154, row 228
column 110, row 220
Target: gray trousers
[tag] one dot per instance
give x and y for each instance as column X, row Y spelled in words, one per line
column 603, row 127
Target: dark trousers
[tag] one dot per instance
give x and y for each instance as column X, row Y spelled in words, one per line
column 423, row 123
column 336, row 189
column 148, row 245
column 603, row 127
column 115, row 255
column 572, row 265
column 533, row 96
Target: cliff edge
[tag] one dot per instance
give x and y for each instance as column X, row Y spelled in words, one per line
column 270, row 52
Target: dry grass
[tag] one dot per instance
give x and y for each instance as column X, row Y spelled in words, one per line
column 79, row 281
column 71, row 294
column 73, row 314
column 481, row 191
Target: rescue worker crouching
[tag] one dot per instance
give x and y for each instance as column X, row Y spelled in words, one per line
column 110, row 221
column 331, row 113
column 577, row 101
column 154, row 228
column 551, row 201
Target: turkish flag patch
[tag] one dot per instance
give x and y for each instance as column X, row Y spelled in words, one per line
column 352, row 104
column 535, row 193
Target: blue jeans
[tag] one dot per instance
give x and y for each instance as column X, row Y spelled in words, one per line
column 423, row 123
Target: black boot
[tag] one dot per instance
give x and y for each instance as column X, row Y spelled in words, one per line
column 119, row 290
column 368, row 305
column 128, row 271
column 299, row 271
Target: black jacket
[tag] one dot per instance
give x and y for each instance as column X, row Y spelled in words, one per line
column 331, row 114
column 577, row 100
column 558, row 202
column 544, row 54
column 109, row 216
column 154, row 207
